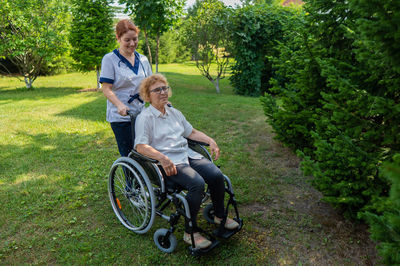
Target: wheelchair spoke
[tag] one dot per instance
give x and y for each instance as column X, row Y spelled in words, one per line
column 139, row 204
column 120, row 179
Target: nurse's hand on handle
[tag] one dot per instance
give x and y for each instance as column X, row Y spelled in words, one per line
column 110, row 95
column 123, row 109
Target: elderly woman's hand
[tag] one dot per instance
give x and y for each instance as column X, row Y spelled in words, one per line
column 168, row 166
column 214, row 149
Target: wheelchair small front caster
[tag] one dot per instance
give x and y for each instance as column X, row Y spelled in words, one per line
column 165, row 240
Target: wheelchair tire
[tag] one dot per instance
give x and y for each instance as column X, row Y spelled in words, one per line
column 131, row 195
column 163, row 243
column 208, row 213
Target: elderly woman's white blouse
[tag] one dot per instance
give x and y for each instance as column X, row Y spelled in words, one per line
column 125, row 79
column 166, row 133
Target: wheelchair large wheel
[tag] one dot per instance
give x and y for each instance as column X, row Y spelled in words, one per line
column 131, row 195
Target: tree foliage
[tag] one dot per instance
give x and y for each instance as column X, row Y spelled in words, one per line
column 31, row 33
column 295, row 85
column 171, row 49
column 336, row 100
column 385, row 228
column 378, row 22
column 205, row 34
column 154, row 17
column 91, row 34
column 255, row 32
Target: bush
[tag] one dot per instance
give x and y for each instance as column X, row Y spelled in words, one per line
column 255, row 32
column 385, row 228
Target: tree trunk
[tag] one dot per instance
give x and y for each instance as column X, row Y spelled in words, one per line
column 28, row 83
column 148, row 49
column 98, row 77
column 216, row 84
column 157, row 46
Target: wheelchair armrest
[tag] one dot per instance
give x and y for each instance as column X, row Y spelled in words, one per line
column 143, row 157
column 194, row 142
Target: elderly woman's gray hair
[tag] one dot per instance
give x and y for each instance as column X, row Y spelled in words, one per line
column 144, row 89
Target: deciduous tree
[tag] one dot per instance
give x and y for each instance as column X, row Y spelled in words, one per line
column 154, row 17
column 31, row 33
column 206, row 34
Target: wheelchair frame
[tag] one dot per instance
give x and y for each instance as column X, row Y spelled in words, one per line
column 138, row 183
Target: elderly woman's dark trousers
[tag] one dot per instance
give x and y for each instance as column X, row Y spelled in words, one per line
column 193, row 178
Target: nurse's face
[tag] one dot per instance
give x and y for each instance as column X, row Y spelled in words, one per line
column 159, row 95
column 128, row 42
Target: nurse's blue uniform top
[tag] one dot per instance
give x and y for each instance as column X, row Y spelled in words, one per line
column 125, row 79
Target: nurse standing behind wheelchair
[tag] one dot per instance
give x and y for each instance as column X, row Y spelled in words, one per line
column 122, row 71
column 161, row 133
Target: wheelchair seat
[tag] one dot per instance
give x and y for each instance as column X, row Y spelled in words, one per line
column 172, row 187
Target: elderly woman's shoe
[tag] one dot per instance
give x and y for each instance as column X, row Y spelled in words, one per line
column 199, row 240
column 230, row 224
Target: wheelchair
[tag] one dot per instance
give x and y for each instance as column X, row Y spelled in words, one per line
column 139, row 192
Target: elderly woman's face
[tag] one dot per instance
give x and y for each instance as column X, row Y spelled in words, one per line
column 159, row 94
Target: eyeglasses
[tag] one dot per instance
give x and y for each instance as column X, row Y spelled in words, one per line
column 159, row 90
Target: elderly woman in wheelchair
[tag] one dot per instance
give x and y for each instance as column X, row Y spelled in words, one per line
column 161, row 138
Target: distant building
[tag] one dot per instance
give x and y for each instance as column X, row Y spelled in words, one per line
column 292, row 2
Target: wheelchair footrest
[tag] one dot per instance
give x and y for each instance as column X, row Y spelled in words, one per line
column 201, row 251
column 224, row 233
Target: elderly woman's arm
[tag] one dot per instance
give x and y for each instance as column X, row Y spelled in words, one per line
column 166, row 163
column 200, row 136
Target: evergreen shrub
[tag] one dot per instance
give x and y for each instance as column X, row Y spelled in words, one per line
column 339, row 104
column 295, row 94
column 385, row 228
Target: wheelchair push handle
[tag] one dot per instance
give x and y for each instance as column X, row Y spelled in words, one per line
column 133, row 116
column 132, row 113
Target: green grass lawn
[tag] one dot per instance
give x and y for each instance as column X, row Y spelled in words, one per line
column 56, row 150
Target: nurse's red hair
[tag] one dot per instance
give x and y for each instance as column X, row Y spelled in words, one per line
column 125, row 25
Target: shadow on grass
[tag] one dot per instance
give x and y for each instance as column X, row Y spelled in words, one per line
column 93, row 111
column 37, row 93
column 50, row 155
